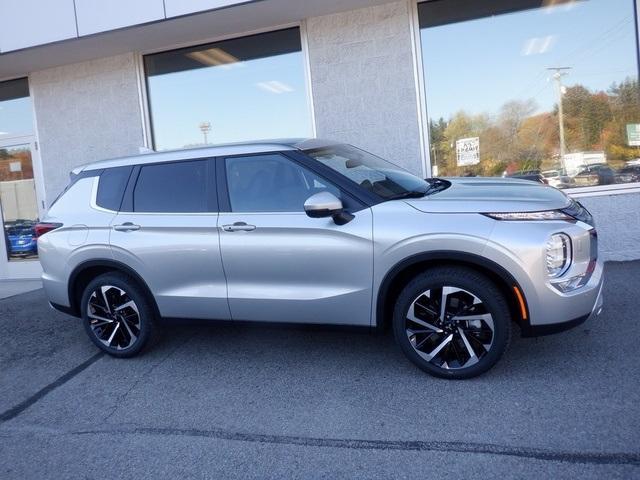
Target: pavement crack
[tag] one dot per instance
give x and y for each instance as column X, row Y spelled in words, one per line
column 600, row 458
column 16, row 410
column 144, row 376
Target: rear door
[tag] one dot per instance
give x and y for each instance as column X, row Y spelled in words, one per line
column 281, row 265
column 166, row 230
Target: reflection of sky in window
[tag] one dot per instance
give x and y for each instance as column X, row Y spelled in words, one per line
column 255, row 99
column 16, row 117
column 479, row 65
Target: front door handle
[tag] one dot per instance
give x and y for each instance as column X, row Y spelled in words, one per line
column 126, row 227
column 238, row 227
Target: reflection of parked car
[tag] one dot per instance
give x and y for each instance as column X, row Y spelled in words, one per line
column 628, row 174
column 532, row 175
column 22, row 241
column 595, row 175
column 555, row 179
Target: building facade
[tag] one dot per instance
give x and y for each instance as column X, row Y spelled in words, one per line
column 544, row 89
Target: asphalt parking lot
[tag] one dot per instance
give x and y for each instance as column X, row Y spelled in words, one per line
column 264, row 402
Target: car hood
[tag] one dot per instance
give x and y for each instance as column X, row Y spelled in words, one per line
column 484, row 195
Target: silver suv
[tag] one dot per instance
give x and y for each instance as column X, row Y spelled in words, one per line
column 315, row 232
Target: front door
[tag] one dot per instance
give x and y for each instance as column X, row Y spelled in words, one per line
column 19, row 208
column 280, row 264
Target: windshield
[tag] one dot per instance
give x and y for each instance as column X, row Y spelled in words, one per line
column 370, row 172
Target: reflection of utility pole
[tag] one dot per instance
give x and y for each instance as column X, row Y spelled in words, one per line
column 205, row 127
column 557, row 76
column 435, row 161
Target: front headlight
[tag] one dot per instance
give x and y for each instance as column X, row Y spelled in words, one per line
column 558, row 256
column 544, row 215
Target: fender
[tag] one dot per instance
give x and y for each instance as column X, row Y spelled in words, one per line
column 442, row 256
column 108, row 264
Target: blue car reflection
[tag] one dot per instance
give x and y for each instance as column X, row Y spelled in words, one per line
column 22, row 241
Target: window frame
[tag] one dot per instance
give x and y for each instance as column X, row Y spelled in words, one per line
column 126, row 206
column 143, row 85
column 351, row 200
column 423, row 110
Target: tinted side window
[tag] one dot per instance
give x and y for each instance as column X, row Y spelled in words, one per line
column 271, row 183
column 111, row 187
column 179, row 187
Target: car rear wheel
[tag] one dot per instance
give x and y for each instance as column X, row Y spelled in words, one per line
column 452, row 322
column 117, row 314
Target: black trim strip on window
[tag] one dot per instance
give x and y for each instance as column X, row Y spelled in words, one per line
column 435, row 13
column 251, row 47
column 14, row 89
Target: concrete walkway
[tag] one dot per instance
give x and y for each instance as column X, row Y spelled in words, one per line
column 9, row 288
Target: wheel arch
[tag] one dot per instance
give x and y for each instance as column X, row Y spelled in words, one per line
column 401, row 273
column 87, row 271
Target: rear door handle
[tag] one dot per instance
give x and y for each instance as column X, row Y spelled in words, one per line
column 238, row 227
column 126, row 227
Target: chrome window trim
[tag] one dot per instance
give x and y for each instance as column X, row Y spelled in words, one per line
column 235, row 214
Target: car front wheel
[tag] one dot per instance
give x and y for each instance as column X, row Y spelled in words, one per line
column 452, row 322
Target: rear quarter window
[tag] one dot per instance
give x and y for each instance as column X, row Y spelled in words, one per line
column 111, row 186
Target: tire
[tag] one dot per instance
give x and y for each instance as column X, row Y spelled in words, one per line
column 117, row 315
column 477, row 321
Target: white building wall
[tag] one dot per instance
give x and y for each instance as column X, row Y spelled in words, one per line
column 618, row 222
column 26, row 23
column 363, row 83
column 84, row 112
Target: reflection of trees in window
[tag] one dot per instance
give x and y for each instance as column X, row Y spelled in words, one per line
column 518, row 139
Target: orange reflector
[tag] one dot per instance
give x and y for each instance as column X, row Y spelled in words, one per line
column 523, row 309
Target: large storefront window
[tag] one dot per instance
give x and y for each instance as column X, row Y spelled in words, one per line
column 241, row 89
column 542, row 90
column 18, row 204
column 16, row 114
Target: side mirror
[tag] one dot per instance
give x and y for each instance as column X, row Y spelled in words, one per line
column 326, row 204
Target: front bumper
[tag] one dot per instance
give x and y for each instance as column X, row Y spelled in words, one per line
column 549, row 329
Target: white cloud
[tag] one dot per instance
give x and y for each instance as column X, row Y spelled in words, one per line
column 538, row 45
column 274, row 86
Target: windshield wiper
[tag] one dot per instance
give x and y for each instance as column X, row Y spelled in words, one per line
column 436, row 185
column 408, row 194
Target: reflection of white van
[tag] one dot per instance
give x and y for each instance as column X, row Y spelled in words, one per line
column 574, row 163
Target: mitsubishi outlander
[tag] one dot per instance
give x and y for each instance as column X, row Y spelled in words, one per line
column 317, row 232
